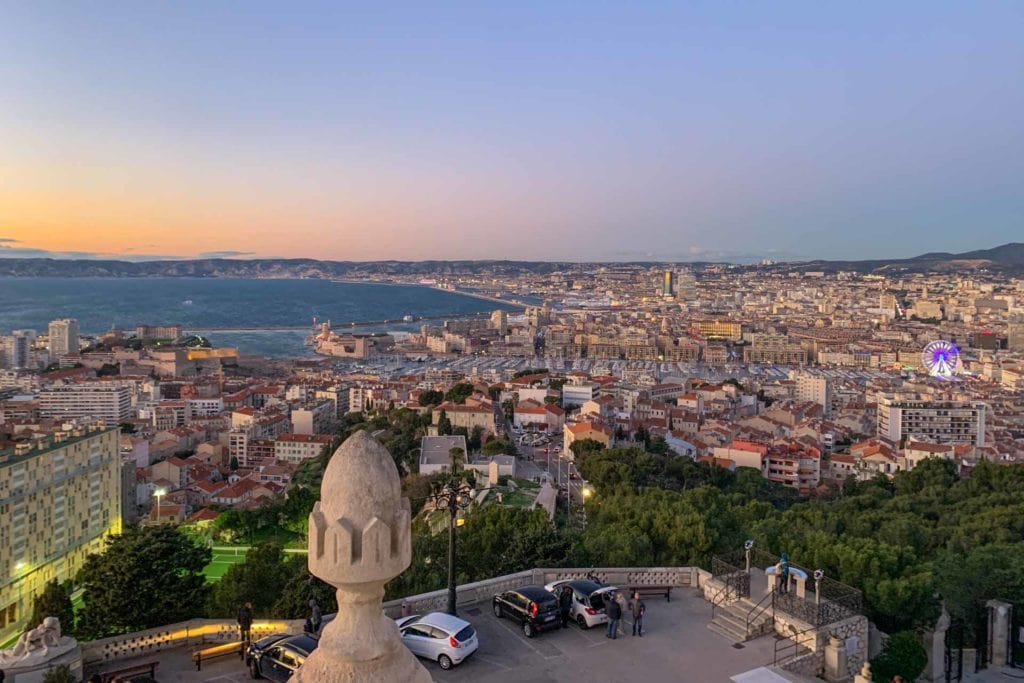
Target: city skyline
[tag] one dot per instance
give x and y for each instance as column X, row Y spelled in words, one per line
column 533, row 133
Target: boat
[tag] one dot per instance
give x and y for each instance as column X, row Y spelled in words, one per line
column 187, row 302
column 407, row 319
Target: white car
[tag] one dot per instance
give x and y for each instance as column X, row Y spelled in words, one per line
column 588, row 600
column 438, row 636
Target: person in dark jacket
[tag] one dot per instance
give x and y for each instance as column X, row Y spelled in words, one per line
column 614, row 615
column 315, row 617
column 565, row 605
column 639, row 609
column 245, row 622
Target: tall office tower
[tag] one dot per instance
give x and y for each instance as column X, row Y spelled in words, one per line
column 499, row 321
column 21, row 348
column 930, row 420
column 61, row 496
column 63, row 338
column 668, row 283
column 814, row 389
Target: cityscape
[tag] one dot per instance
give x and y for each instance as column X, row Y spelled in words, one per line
column 506, row 345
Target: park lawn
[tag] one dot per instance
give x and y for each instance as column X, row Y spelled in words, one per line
column 220, row 564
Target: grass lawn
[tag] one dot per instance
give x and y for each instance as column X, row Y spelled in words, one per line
column 221, row 562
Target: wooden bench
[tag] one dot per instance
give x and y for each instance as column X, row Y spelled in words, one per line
column 123, row 675
column 651, row 590
column 214, row 651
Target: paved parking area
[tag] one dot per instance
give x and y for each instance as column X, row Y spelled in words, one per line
column 677, row 646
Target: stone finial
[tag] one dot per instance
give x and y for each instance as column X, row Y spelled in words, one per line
column 358, row 541
column 865, row 674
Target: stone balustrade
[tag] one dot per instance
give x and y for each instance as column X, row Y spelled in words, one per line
column 192, row 632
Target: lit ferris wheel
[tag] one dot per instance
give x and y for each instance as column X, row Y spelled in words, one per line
column 941, row 358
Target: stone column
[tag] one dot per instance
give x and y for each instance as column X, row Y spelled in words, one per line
column 835, row 660
column 801, row 586
column 999, row 631
column 359, row 539
column 935, row 644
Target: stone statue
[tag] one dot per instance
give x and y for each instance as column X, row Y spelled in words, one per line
column 37, row 645
column 359, row 539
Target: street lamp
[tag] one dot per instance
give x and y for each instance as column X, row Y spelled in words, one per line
column 454, row 495
column 158, row 494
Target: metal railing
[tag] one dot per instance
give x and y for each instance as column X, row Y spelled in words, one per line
column 760, row 609
column 735, row 583
column 794, row 642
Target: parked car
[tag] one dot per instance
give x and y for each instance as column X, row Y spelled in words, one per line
column 277, row 657
column 534, row 608
column 588, row 600
column 438, row 636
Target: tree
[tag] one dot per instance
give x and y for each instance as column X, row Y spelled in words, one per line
column 494, row 392
column 54, row 601
column 127, row 428
column 902, row 655
column 109, row 369
column 583, row 447
column 499, row 447
column 145, row 577
column 508, row 407
column 59, row 674
column 255, row 580
column 444, row 425
column 234, row 463
column 475, row 438
column 459, row 392
column 431, row 398
column 299, row 589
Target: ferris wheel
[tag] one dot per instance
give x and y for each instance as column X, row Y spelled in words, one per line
column 941, row 358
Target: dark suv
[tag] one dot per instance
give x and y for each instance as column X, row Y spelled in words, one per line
column 532, row 606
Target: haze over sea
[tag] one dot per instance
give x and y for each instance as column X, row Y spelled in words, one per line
column 101, row 303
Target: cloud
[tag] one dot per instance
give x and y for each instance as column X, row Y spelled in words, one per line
column 9, row 252
column 8, row 240
column 224, row 254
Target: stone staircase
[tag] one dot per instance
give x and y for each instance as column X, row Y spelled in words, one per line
column 730, row 621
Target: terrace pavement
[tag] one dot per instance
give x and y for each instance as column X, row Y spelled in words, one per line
column 677, row 646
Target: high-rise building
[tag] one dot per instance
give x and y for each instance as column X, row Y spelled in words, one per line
column 931, row 421
column 21, row 349
column 499, row 321
column 668, row 283
column 87, row 399
column 61, row 497
column 814, row 389
column 1015, row 337
column 63, row 338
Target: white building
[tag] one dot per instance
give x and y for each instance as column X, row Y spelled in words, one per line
column 63, row 338
column 813, row 389
column 297, row 448
column 578, row 394
column 931, row 421
column 109, row 402
column 317, row 417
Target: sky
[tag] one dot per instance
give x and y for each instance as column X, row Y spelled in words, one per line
column 719, row 130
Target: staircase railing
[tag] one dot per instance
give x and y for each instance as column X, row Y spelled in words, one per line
column 793, row 642
column 758, row 610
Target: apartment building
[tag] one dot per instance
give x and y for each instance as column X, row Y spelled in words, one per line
column 60, row 497
column 87, row 399
column 63, row 338
column 316, row 417
column 297, row 448
column 932, row 421
column 813, row 389
column 718, row 329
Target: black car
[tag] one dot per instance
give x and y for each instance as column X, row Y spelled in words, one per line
column 277, row 657
column 532, row 606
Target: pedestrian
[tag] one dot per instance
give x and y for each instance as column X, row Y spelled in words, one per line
column 620, row 599
column 614, row 615
column 245, row 622
column 898, row 679
column 639, row 609
column 315, row 618
column 782, row 571
column 565, row 605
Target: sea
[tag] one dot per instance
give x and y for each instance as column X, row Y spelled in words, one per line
column 229, row 312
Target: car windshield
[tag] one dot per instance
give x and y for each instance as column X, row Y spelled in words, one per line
column 465, row 634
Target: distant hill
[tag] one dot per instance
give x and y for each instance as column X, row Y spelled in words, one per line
column 1008, row 258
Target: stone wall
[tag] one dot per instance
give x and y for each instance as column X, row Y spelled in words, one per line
column 193, row 632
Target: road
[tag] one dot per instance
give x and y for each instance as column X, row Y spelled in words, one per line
column 533, row 462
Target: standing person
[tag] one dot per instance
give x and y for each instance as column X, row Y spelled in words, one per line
column 639, row 609
column 620, row 599
column 315, row 617
column 245, row 622
column 565, row 605
column 614, row 615
column 782, row 571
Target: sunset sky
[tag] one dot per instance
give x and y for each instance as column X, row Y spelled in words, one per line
column 533, row 130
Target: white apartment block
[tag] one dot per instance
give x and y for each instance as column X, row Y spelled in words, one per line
column 931, row 421
column 813, row 388
column 63, row 338
column 578, row 394
column 297, row 448
column 101, row 400
column 317, row 417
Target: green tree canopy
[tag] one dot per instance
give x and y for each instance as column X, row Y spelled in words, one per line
column 431, row 398
column 903, row 655
column 259, row 580
column 300, row 587
column 459, row 392
column 145, row 577
column 54, row 601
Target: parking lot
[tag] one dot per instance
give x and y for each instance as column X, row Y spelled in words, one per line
column 677, row 646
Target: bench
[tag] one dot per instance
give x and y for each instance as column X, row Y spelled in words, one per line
column 124, row 675
column 652, row 590
column 214, row 651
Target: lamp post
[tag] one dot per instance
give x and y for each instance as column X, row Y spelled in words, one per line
column 158, row 494
column 455, row 495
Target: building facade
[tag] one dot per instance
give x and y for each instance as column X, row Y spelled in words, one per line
column 931, row 421
column 100, row 400
column 63, row 338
